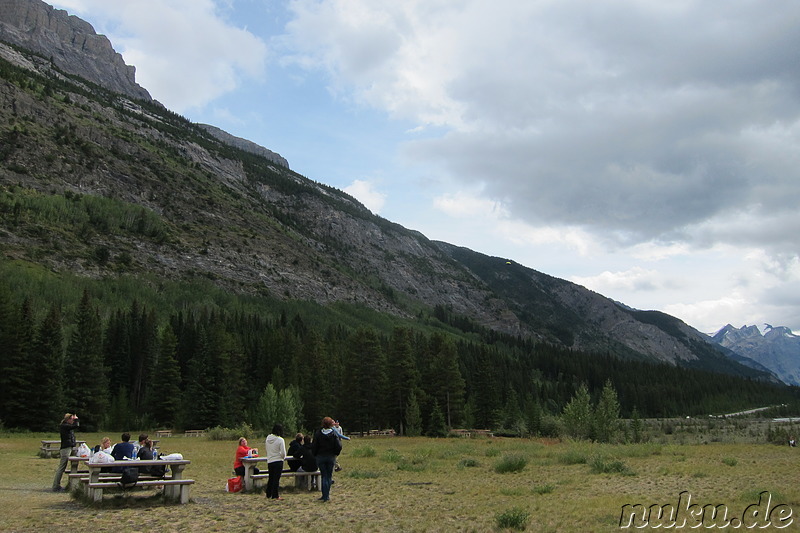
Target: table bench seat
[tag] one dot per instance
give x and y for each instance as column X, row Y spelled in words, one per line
column 95, row 490
column 300, row 478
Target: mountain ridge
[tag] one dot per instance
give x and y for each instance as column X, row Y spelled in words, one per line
column 235, row 215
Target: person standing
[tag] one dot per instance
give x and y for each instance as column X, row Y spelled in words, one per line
column 326, row 446
column 67, row 430
column 276, row 454
column 340, row 432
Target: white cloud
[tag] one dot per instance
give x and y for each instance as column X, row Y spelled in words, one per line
column 185, row 52
column 364, row 192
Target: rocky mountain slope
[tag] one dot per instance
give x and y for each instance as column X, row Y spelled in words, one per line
column 777, row 349
column 198, row 203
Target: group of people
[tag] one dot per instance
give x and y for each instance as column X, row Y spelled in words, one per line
column 142, row 449
column 308, row 454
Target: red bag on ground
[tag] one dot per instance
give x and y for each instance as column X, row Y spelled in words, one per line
column 235, row 484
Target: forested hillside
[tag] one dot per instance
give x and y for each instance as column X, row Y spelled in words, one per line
column 152, row 275
column 144, row 353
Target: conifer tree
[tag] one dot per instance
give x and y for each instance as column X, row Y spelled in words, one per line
column 21, row 378
column 403, row 377
column 47, row 357
column 86, row 384
column 9, row 354
column 437, row 427
column 446, row 385
column 366, row 386
column 606, row 414
column 166, row 404
column 413, row 419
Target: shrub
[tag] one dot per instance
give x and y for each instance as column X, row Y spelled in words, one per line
column 392, row 456
column 544, row 489
column 514, row 518
column 364, row 451
column 573, row 457
column 601, row 465
column 730, row 461
column 511, row 463
column 468, row 462
column 221, row 433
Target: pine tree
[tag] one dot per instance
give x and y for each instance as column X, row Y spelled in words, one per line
column 47, row 357
column 86, row 384
column 606, row 414
column 21, row 378
column 166, row 404
column 437, row 426
column 403, row 377
column 447, row 384
column 366, row 387
column 413, row 426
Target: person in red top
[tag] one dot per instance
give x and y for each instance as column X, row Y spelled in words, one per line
column 242, row 451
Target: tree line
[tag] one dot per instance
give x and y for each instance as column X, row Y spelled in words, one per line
column 198, row 367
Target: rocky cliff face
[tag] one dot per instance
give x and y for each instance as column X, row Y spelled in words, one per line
column 244, row 144
column 69, row 42
column 778, row 349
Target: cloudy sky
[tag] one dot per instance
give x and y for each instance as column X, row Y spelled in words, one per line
column 647, row 150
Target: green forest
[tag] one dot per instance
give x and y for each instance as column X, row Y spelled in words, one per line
column 135, row 352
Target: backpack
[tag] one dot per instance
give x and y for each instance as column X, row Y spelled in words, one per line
column 130, row 475
column 158, row 471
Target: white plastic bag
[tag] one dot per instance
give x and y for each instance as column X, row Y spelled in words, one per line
column 83, row 450
column 101, row 457
column 172, row 457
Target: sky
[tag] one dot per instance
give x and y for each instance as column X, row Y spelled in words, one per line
column 647, row 150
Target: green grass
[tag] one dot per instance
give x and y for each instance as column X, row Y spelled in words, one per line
column 431, row 491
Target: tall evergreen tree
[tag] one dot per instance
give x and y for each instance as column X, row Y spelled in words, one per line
column 165, row 405
column 47, row 357
column 413, row 418
column 366, row 384
column 446, row 384
column 606, row 414
column 21, row 378
column 86, row 384
column 10, row 352
column 404, row 377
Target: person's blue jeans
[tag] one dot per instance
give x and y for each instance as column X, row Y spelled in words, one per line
column 325, row 464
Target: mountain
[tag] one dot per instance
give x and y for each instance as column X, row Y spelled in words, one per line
column 101, row 181
column 777, row 349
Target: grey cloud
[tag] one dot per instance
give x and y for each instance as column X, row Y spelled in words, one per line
column 670, row 120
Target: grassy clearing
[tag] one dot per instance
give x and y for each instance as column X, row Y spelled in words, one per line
column 419, row 484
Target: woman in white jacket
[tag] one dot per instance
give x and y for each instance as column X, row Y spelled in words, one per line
column 276, row 453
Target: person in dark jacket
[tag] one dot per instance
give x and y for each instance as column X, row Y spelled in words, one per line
column 309, row 461
column 123, row 450
column 326, row 446
column 296, row 451
column 67, row 430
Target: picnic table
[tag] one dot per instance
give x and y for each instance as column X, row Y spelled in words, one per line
column 250, row 478
column 93, row 483
column 52, row 448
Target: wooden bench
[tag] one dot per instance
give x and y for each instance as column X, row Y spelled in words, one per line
column 176, row 488
column 250, row 479
column 163, row 433
column 194, row 433
column 52, row 448
column 305, row 480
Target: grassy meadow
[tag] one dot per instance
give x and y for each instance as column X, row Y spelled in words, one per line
column 420, row 484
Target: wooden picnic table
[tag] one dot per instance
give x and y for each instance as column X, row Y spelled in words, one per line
column 176, row 487
column 250, row 477
column 52, row 448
